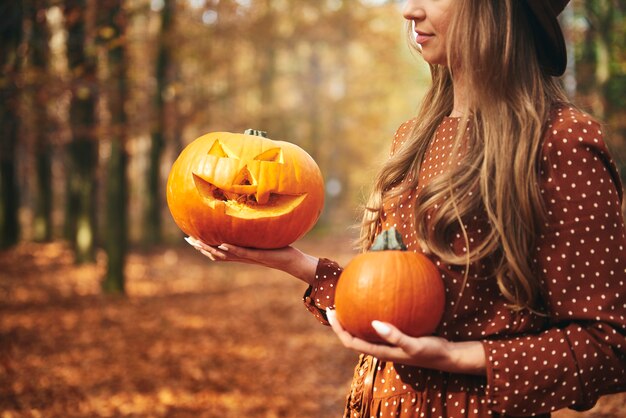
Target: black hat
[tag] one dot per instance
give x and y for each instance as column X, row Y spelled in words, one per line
column 548, row 35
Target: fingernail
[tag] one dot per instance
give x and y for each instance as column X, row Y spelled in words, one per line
column 208, row 254
column 222, row 247
column 194, row 244
column 330, row 314
column 381, row 328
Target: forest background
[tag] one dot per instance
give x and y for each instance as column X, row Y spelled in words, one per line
column 103, row 311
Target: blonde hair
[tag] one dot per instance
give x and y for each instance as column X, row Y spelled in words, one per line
column 491, row 45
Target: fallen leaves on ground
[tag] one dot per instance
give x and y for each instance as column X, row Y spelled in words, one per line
column 190, row 339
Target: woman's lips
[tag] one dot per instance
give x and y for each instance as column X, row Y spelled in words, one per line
column 421, row 38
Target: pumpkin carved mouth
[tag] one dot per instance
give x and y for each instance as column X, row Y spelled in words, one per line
column 242, row 200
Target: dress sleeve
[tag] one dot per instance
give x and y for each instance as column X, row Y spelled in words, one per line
column 581, row 257
column 321, row 294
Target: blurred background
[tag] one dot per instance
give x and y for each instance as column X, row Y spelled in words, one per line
column 103, row 312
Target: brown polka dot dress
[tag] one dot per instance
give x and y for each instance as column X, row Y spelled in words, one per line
column 535, row 364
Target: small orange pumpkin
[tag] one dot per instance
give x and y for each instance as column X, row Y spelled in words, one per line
column 392, row 285
column 245, row 189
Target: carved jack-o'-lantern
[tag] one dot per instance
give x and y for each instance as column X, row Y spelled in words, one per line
column 245, row 189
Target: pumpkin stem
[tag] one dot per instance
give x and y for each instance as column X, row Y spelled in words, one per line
column 388, row 240
column 255, row 133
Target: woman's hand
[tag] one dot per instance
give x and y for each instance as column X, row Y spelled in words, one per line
column 287, row 259
column 428, row 352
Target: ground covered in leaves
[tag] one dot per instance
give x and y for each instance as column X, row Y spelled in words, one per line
column 191, row 339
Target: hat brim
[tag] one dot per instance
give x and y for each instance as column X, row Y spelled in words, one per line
column 549, row 40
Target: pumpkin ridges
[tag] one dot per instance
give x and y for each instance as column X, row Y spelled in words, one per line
column 400, row 287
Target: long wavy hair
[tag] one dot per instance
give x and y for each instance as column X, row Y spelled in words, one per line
column 491, row 44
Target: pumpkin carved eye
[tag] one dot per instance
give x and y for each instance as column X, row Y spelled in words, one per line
column 218, row 150
column 244, row 187
column 274, row 155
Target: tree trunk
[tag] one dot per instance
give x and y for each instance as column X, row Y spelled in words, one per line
column 42, row 147
column 116, row 235
column 82, row 151
column 267, row 71
column 606, row 78
column 11, row 15
column 113, row 24
column 336, row 172
column 153, row 221
column 314, row 85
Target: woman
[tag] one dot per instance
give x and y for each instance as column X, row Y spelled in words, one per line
column 510, row 190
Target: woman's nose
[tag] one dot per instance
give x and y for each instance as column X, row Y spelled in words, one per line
column 413, row 10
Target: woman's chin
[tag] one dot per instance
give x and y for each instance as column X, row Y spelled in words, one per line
column 433, row 59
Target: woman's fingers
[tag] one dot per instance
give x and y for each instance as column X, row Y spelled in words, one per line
column 278, row 258
column 226, row 252
column 383, row 352
column 210, row 252
column 239, row 253
column 392, row 335
column 346, row 338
